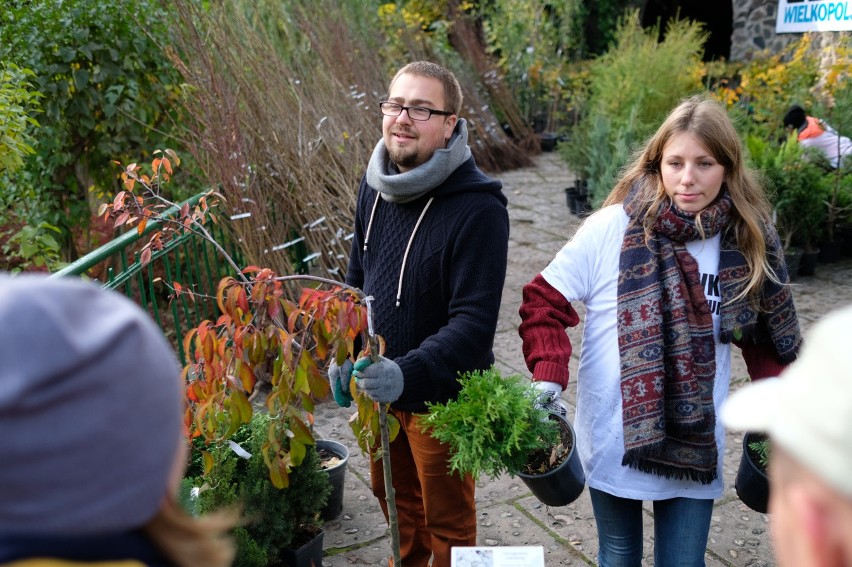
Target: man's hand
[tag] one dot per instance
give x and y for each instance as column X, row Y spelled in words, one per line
column 549, row 398
column 381, row 380
column 338, row 377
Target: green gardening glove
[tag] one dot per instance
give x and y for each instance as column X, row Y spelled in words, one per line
column 339, row 377
column 381, row 380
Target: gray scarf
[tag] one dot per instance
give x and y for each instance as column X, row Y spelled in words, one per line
column 396, row 187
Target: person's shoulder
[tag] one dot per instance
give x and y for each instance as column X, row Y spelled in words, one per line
column 611, row 217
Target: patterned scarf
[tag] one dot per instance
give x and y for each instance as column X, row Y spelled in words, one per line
column 665, row 335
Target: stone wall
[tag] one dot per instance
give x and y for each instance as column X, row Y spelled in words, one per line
column 754, row 29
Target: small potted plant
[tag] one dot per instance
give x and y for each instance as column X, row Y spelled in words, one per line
column 752, row 483
column 284, row 527
column 333, row 459
column 493, row 427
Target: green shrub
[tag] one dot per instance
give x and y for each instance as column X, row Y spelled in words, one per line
column 798, row 180
column 277, row 519
column 493, row 426
column 632, row 88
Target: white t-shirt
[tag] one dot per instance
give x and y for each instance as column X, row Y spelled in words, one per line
column 586, row 270
column 833, row 145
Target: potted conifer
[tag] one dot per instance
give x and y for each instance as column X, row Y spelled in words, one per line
column 493, row 427
column 752, row 483
column 283, row 527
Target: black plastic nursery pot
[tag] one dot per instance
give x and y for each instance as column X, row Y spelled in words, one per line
column 808, row 263
column 570, row 198
column 564, row 484
column 752, row 484
column 308, row 555
column 336, row 476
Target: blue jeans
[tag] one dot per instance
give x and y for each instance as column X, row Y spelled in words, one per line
column 681, row 526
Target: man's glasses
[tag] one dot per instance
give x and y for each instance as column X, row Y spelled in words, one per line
column 414, row 112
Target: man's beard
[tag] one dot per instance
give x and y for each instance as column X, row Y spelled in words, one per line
column 403, row 158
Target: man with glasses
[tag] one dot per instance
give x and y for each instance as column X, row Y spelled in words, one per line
column 430, row 245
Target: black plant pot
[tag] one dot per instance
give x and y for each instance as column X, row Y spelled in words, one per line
column 308, row 555
column 548, row 141
column 844, row 234
column 564, row 484
column 831, row 252
column 336, row 476
column 808, row 263
column 570, row 197
column 582, row 208
column 752, row 484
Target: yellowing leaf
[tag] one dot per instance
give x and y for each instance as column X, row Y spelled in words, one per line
column 174, row 156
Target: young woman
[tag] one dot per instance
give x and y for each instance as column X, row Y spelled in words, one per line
column 681, row 262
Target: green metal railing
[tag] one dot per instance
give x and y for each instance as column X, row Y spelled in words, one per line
column 187, row 258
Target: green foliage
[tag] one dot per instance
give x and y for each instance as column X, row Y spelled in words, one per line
column 761, row 450
column 18, row 101
column 34, row 248
column 799, row 180
column 276, row 518
column 632, row 88
column 532, row 41
column 107, row 86
column 493, row 425
column 764, row 88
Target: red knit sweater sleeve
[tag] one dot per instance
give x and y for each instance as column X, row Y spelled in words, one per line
column 545, row 314
column 761, row 360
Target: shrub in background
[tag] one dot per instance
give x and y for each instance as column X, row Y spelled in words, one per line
column 632, row 87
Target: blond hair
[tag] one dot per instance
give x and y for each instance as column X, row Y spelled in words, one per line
column 750, row 215
column 452, row 90
column 190, row 541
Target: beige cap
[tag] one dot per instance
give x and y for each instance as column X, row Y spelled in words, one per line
column 808, row 409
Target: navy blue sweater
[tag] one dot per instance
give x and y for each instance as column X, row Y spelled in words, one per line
column 452, row 282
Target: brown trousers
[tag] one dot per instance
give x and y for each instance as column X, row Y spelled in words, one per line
column 436, row 509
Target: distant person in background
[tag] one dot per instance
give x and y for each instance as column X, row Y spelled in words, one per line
column 814, row 133
column 91, row 435
column 807, row 413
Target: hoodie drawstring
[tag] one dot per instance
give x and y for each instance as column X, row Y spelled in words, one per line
column 407, row 246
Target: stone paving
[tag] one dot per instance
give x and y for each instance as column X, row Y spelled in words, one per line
column 507, row 512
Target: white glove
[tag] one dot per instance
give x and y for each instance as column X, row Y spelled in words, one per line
column 549, row 398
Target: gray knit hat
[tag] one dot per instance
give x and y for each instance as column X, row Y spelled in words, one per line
column 90, row 409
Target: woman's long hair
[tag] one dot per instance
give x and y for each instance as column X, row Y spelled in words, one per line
column 708, row 122
column 192, row 542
